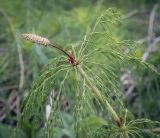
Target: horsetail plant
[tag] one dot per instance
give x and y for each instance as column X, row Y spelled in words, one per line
column 89, row 83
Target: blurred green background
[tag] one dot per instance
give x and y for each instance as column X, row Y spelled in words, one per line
column 66, row 22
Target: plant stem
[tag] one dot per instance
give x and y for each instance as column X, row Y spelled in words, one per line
column 97, row 93
column 103, row 100
column 125, row 134
column 124, row 131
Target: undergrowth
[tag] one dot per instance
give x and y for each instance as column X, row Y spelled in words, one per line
column 91, row 88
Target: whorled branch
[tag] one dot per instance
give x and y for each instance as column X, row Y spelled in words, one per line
column 104, row 101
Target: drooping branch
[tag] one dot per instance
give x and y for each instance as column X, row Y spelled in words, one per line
column 104, row 101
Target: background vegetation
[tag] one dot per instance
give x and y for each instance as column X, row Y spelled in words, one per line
column 66, row 22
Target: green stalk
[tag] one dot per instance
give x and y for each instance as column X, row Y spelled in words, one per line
column 124, row 131
column 125, row 134
column 103, row 100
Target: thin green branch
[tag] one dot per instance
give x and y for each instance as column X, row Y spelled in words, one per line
column 104, row 101
column 98, row 95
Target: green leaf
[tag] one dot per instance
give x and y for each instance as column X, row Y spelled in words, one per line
column 93, row 122
column 89, row 126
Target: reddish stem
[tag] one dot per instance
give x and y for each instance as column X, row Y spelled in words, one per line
column 70, row 57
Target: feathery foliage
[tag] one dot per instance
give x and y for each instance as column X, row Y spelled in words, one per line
column 98, row 56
